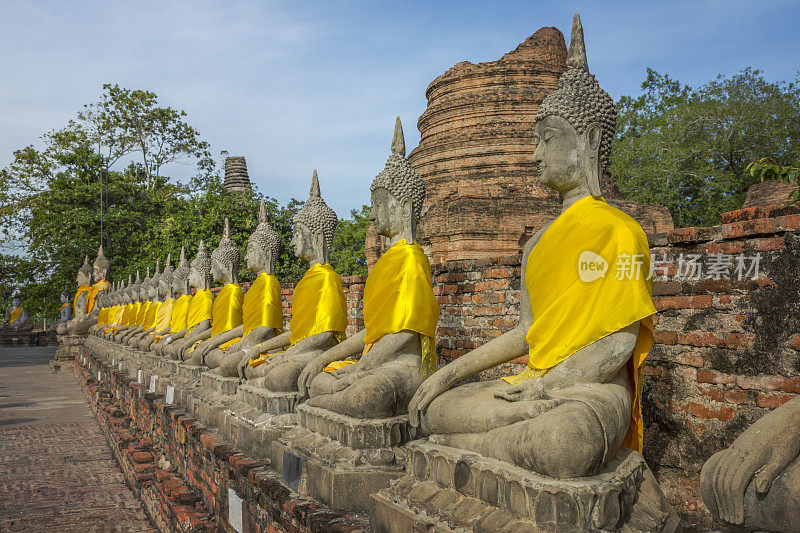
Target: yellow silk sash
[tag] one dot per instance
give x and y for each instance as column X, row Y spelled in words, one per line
column 150, row 316
column 101, row 316
column 164, row 315
column 318, row 304
column 65, row 304
column 570, row 313
column 199, row 308
column 142, row 313
column 135, row 309
column 180, row 311
column 81, row 290
column 262, row 307
column 93, row 292
column 226, row 313
column 398, row 296
column 14, row 314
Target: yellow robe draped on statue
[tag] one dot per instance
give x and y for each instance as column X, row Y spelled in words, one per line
column 142, row 313
column 101, row 316
column 398, row 296
column 14, row 314
column 163, row 316
column 261, row 307
column 150, row 316
column 199, row 308
column 93, row 292
column 180, row 314
column 226, row 311
column 81, row 290
column 318, row 305
column 574, row 304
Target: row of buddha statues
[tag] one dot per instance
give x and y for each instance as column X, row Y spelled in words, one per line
column 566, row 415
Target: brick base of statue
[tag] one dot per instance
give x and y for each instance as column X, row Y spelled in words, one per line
column 340, row 460
column 447, row 489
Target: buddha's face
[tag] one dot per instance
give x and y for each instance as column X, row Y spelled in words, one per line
column 98, row 273
column 83, row 279
column 195, row 277
column 178, row 282
column 303, row 242
column 16, row 302
column 152, row 291
column 64, row 298
column 218, row 271
column 559, row 155
column 163, row 285
column 384, row 213
column 255, row 258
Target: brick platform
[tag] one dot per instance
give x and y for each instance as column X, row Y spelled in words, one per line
column 57, row 473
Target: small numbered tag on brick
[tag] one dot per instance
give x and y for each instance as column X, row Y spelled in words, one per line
column 170, row 394
column 235, row 511
column 139, row 376
column 153, row 383
column 98, row 375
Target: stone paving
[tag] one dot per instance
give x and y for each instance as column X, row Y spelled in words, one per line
column 56, row 471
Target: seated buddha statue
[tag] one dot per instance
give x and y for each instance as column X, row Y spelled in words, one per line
column 100, row 275
column 64, row 312
column 134, row 305
column 262, row 310
column 198, row 314
column 319, row 309
column 395, row 351
column 586, row 336
column 226, row 313
column 755, row 484
column 16, row 318
column 180, row 309
column 153, row 307
column 83, row 281
column 164, row 295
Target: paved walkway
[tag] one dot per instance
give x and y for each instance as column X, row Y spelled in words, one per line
column 56, row 470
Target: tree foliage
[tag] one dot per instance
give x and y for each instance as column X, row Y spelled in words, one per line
column 50, row 202
column 765, row 169
column 689, row 149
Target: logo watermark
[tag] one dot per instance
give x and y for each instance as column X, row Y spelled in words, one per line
column 683, row 267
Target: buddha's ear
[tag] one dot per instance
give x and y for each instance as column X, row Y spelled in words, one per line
column 407, row 208
column 321, row 245
column 593, row 136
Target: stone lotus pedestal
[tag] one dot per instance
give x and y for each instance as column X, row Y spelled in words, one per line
column 340, row 460
column 447, row 489
column 257, row 417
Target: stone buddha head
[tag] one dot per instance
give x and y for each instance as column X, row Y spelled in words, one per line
column 314, row 226
column 164, row 284
column 133, row 289
column 84, row 273
column 126, row 292
column 226, row 258
column 144, row 287
column 263, row 246
column 575, row 126
column 152, row 286
column 180, row 278
column 16, row 299
column 200, row 269
column 64, row 296
column 101, row 266
column 397, row 193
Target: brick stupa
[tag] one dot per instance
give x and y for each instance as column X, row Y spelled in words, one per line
column 476, row 156
column 236, row 177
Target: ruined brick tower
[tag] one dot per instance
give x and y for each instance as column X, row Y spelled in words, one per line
column 236, row 177
column 476, row 156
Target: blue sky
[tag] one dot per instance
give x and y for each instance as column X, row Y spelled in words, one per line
column 295, row 86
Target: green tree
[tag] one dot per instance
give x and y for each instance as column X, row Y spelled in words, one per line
column 688, row 149
column 765, row 169
column 347, row 251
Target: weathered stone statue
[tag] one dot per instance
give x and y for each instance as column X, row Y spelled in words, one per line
column 319, row 310
column 400, row 311
column 100, row 273
column 262, row 311
column 64, row 312
column 143, row 291
column 577, row 402
column 180, row 309
column 755, row 484
column 163, row 315
column 226, row 313
column 83, row 280
column 198, row 315
column 16, row 318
